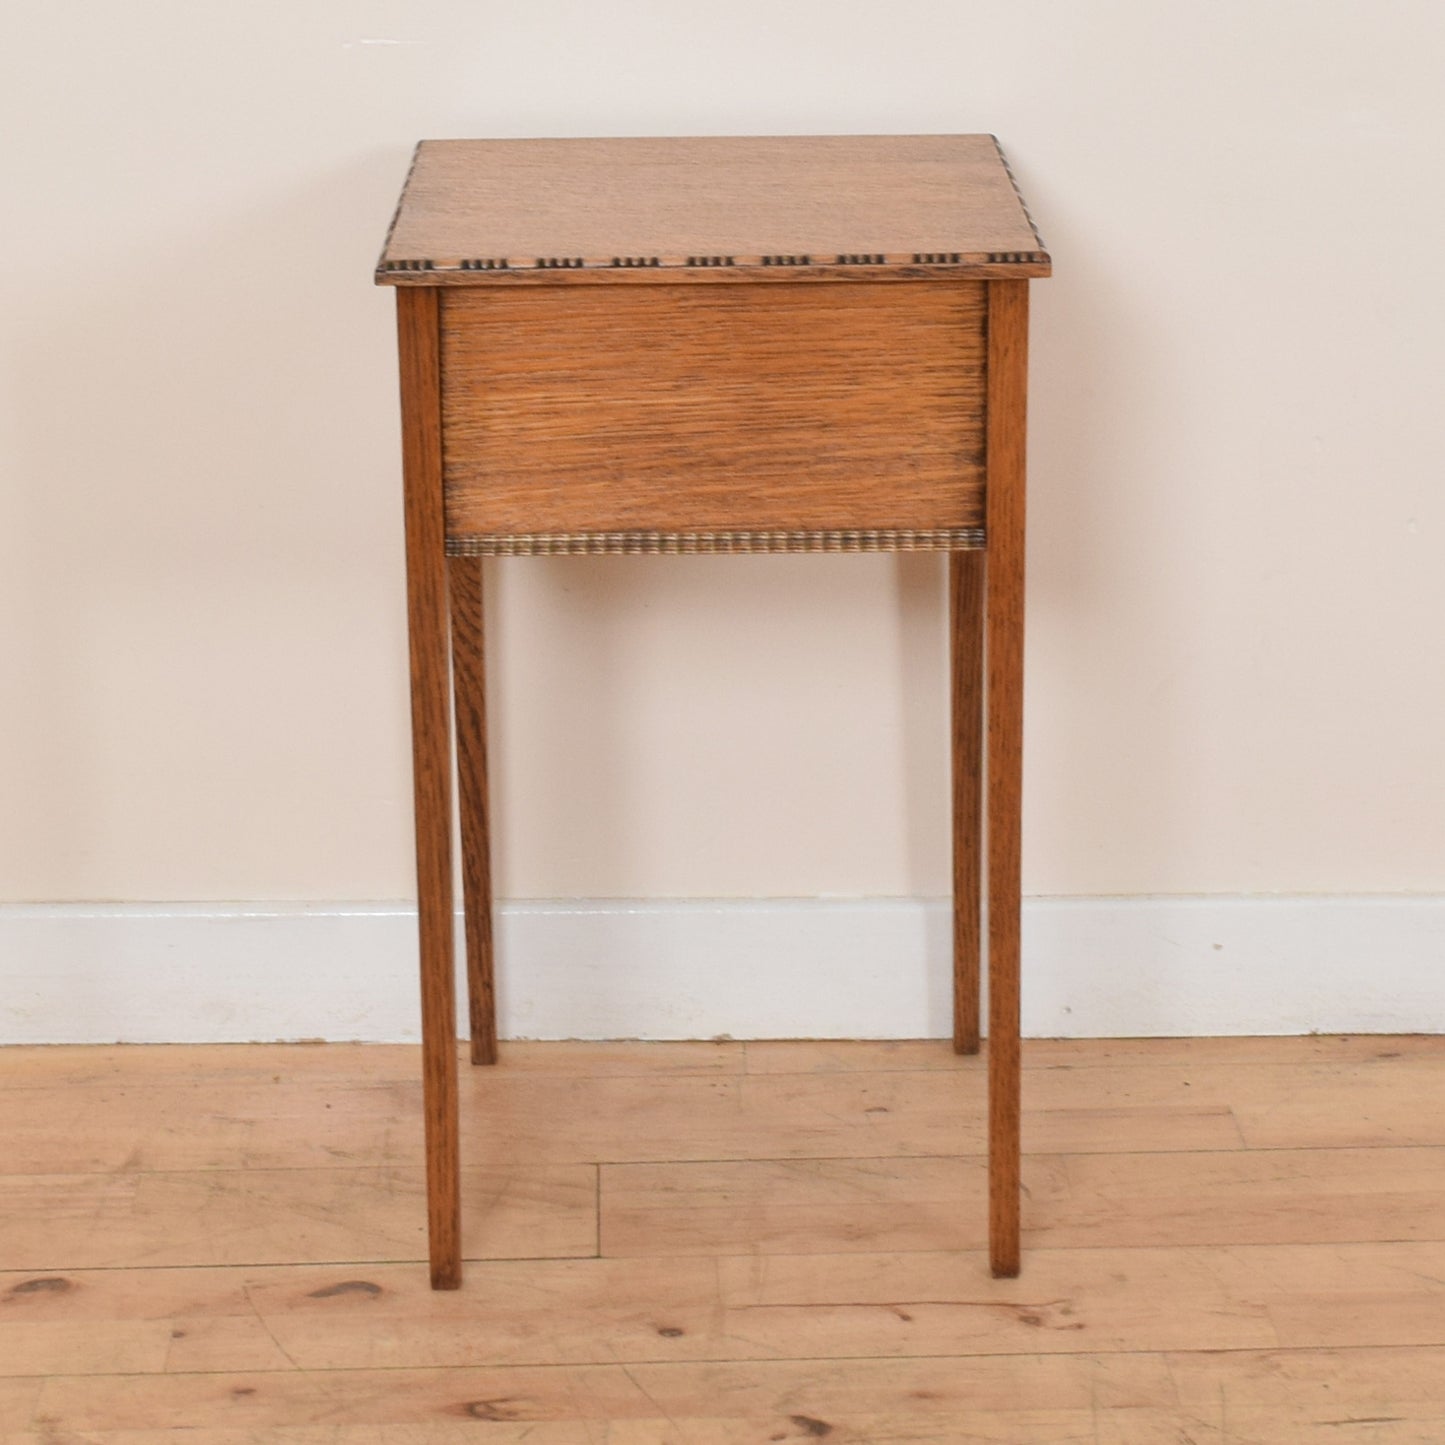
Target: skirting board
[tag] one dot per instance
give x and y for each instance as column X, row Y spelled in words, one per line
column 879, row 968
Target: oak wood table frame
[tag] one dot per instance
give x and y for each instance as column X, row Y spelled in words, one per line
column 713, row 345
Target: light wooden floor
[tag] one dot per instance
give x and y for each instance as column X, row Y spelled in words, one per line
column 718, row 1244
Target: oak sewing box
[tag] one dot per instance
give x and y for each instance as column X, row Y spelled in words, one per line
column 723, row 344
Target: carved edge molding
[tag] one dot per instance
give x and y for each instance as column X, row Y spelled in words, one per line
column 382, row 265
column 1042, row 254
column 428, row 270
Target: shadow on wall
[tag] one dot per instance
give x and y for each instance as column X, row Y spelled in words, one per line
column 704, row 726
column 1098, row 371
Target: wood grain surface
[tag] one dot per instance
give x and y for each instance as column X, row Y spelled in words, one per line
column 965, row 633
column 159, row 1282
column 469, row 690
column 1008, row 322
column 494, row 213
column 681, row 409
column 426, row 584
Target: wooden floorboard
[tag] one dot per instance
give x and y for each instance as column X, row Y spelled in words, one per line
column 1226, row 1241
column 666, row 1310
column 240, row 1216
column 1111, row 1200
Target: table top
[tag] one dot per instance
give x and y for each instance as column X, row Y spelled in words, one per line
column 709, row 208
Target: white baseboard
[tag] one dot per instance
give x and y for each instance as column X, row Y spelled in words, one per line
column 874, row 968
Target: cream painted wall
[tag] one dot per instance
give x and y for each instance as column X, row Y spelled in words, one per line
column 1237, row 598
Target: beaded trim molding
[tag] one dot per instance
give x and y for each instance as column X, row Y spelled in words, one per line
column 551, row 544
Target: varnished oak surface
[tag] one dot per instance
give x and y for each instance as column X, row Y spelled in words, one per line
column 966, row 718
column 499, row 212
column 429, row 642
column 1008, row 324
column 718, row 408
column 1228, row 1242
column 469, row 694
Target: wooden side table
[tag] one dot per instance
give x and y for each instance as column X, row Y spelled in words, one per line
column 794, row 344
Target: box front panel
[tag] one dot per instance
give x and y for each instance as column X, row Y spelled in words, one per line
column 674, row 408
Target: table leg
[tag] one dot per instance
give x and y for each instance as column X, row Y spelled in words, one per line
column 1007, row 374
column 469, row 691
column 965, row 612
column 418, row 336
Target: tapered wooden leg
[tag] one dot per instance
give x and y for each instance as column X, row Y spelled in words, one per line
column 426, row 589
column 469, row 690
column 1007, row 374
column 965, row 614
